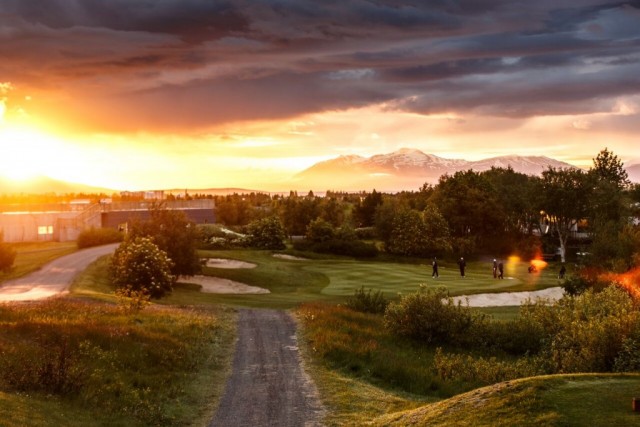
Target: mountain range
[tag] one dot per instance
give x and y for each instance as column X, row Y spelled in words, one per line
column 407, row 169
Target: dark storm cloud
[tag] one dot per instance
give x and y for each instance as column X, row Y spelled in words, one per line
column 194, row 63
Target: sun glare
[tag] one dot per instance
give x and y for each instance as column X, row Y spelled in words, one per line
column 26, row 153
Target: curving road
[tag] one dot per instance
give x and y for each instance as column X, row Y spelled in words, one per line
column 53, row 278
column 268, row 386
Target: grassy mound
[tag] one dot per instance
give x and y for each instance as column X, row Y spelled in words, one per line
column 557, row 400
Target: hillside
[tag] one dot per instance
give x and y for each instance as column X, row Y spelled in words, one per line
column 407, row 169
column 43, row 184
column 556, row 400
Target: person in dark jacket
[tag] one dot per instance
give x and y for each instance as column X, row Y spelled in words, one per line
column 434, row 273
column 462, row 264
column 500, row 270
column 562, row 272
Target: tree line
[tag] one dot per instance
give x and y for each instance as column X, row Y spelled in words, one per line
column 499, row 211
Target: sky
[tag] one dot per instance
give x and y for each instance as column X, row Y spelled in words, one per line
column 199, row 93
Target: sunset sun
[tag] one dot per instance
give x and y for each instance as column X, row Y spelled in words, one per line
column 27, row 153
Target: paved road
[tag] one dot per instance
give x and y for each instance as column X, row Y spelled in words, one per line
column 268, row 386
column 54, row 278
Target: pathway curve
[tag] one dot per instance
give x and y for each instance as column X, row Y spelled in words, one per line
column 54, row 278
column 268, row 386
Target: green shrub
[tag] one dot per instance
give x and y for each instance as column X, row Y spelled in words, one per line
column 7, row 255
column 98, row 236
column 366, row 233
column 139, row 265
column 366, row 302
column 266, row 233
column 354, row 248
column 586, row 278
column 319, row 231
column 430, row 316
column 586, row 333
column 461, row 368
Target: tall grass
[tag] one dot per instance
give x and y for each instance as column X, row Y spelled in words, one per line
column 359, row 344
column 128, row 370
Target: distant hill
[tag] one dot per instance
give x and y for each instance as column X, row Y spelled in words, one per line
column 406, row 169
column 44, row 184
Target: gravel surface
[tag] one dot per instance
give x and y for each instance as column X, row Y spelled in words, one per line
column 54, row 278
column 268, row 386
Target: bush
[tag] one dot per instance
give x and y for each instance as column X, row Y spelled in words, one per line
column 354, row 248
column 7, row 255
column 586, row 278
column 319, row 231
column 481, row 371
column 430, row 316
column 139, row 265
column 98, row 236
column 366, row 233
column 266, row 233
column 366, row 302
column 586, row 333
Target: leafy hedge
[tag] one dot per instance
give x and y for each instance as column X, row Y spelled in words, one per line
column 98, row 236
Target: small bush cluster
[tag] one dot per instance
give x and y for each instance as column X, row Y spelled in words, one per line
column 430, row 316
column 7, row 255
column 367, row 302
column 214, row 237
column 98, row 236
column 481, row 371
column 266, row 233
column 139, row 265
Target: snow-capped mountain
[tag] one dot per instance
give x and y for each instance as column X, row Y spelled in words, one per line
column 634, row 173
column 406, row 169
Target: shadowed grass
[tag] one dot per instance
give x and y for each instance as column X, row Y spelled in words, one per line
column 162, row 366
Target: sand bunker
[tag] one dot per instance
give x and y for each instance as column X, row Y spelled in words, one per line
column 509, row 298
column 290, row 257
column 217, row 285
column 228, row 263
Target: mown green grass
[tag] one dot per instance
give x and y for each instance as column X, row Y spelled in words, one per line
column 292, row 282
column 560, row 400
column 393, row 278
column 94, row 364
column 32, row 256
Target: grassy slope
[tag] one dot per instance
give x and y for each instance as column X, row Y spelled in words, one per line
column 559, row 400
column 31, row 256
column 163, row 366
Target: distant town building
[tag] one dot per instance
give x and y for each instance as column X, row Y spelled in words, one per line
column 65, row 221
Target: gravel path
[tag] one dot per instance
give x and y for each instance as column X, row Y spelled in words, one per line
column 54, row 278
column 268, row 386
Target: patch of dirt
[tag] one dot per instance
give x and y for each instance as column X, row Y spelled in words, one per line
column 268, row 385
column 509, row 298
column 289, row 257
column 228, row 263
column 217, row 285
